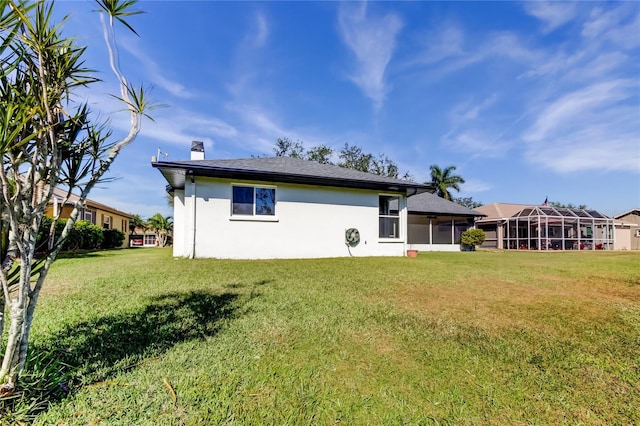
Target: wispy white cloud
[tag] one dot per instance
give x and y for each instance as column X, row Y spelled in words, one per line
column 593, row 128
column 444, row 42
column 478, row 131
column 460, row 51
column 261, row 30
column 473, row 186
column 478, row 142
column 626, row 34
column 508, row 45
column 180, row 127
column 468, row 110
column 174, row 125
column 372, row 40
column 579, row 107
column 593, row 148
column 552, row 14
column 260, row 127
column 153, row 72
column 619, row 25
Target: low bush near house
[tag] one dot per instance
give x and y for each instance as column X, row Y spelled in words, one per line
column 473, row 237
column 84, row 236
column 112, row 238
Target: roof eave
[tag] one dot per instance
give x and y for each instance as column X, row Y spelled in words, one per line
column 176, row 175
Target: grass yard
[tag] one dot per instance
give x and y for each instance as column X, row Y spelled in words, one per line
column 447, row 338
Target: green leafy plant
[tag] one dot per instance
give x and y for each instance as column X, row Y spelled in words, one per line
column 473, row 237
column 113, row 238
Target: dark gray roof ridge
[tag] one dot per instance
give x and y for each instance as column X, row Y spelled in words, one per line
column 278, row 168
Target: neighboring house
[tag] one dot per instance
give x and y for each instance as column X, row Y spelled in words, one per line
column 436, row 224
column 628, row 230
column 283, row 207
column 518, row 226
column 99, row 214
column 140, row 237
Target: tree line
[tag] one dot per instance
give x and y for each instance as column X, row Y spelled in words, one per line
column 349, row 156
column 443, row 180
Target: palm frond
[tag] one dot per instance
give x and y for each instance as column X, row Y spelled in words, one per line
column 120, row 9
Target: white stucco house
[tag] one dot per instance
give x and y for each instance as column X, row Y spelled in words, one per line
column 281, row 207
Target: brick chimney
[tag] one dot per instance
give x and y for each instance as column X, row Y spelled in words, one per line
column 197, row 150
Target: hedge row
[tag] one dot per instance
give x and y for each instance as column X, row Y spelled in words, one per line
column 84, row 236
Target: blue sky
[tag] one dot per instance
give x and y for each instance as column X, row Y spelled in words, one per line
column 528, row 99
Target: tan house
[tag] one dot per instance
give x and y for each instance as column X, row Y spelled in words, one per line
column 99, row 214
column 628, row 230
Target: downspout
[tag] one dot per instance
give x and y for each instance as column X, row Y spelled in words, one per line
column 192, row 254
column 404, row 224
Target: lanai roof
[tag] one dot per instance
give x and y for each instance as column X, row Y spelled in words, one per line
column 427, row 203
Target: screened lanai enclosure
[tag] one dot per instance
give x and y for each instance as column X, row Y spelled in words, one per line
column 551, row 228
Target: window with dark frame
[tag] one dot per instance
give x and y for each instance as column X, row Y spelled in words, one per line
column 253, row 201
column 389, row 216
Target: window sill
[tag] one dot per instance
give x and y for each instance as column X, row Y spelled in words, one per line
column 249, row 218
column 390, row 240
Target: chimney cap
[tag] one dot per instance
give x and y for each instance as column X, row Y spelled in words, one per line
column 197, row 146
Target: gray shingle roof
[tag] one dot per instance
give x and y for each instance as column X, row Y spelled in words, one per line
column 282, row 169
column 427, row 203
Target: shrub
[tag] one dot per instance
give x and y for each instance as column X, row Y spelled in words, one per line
column 473, row 237
column 112, row 238
column 89, row 236
column 84, row 236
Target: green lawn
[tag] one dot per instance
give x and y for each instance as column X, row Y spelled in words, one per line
column 447, row 338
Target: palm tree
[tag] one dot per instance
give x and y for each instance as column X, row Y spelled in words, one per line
column 442, row 180
column 162, row 226
column 136, row 222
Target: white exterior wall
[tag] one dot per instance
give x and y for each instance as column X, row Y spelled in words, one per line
column 310, row 222
column 179, row 230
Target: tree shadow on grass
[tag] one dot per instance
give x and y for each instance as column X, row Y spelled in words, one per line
column 82, row 254
column 108, row 345
column 93, row 351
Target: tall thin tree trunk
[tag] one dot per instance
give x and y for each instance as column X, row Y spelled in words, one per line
column 10, row 364
column 3, row 306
